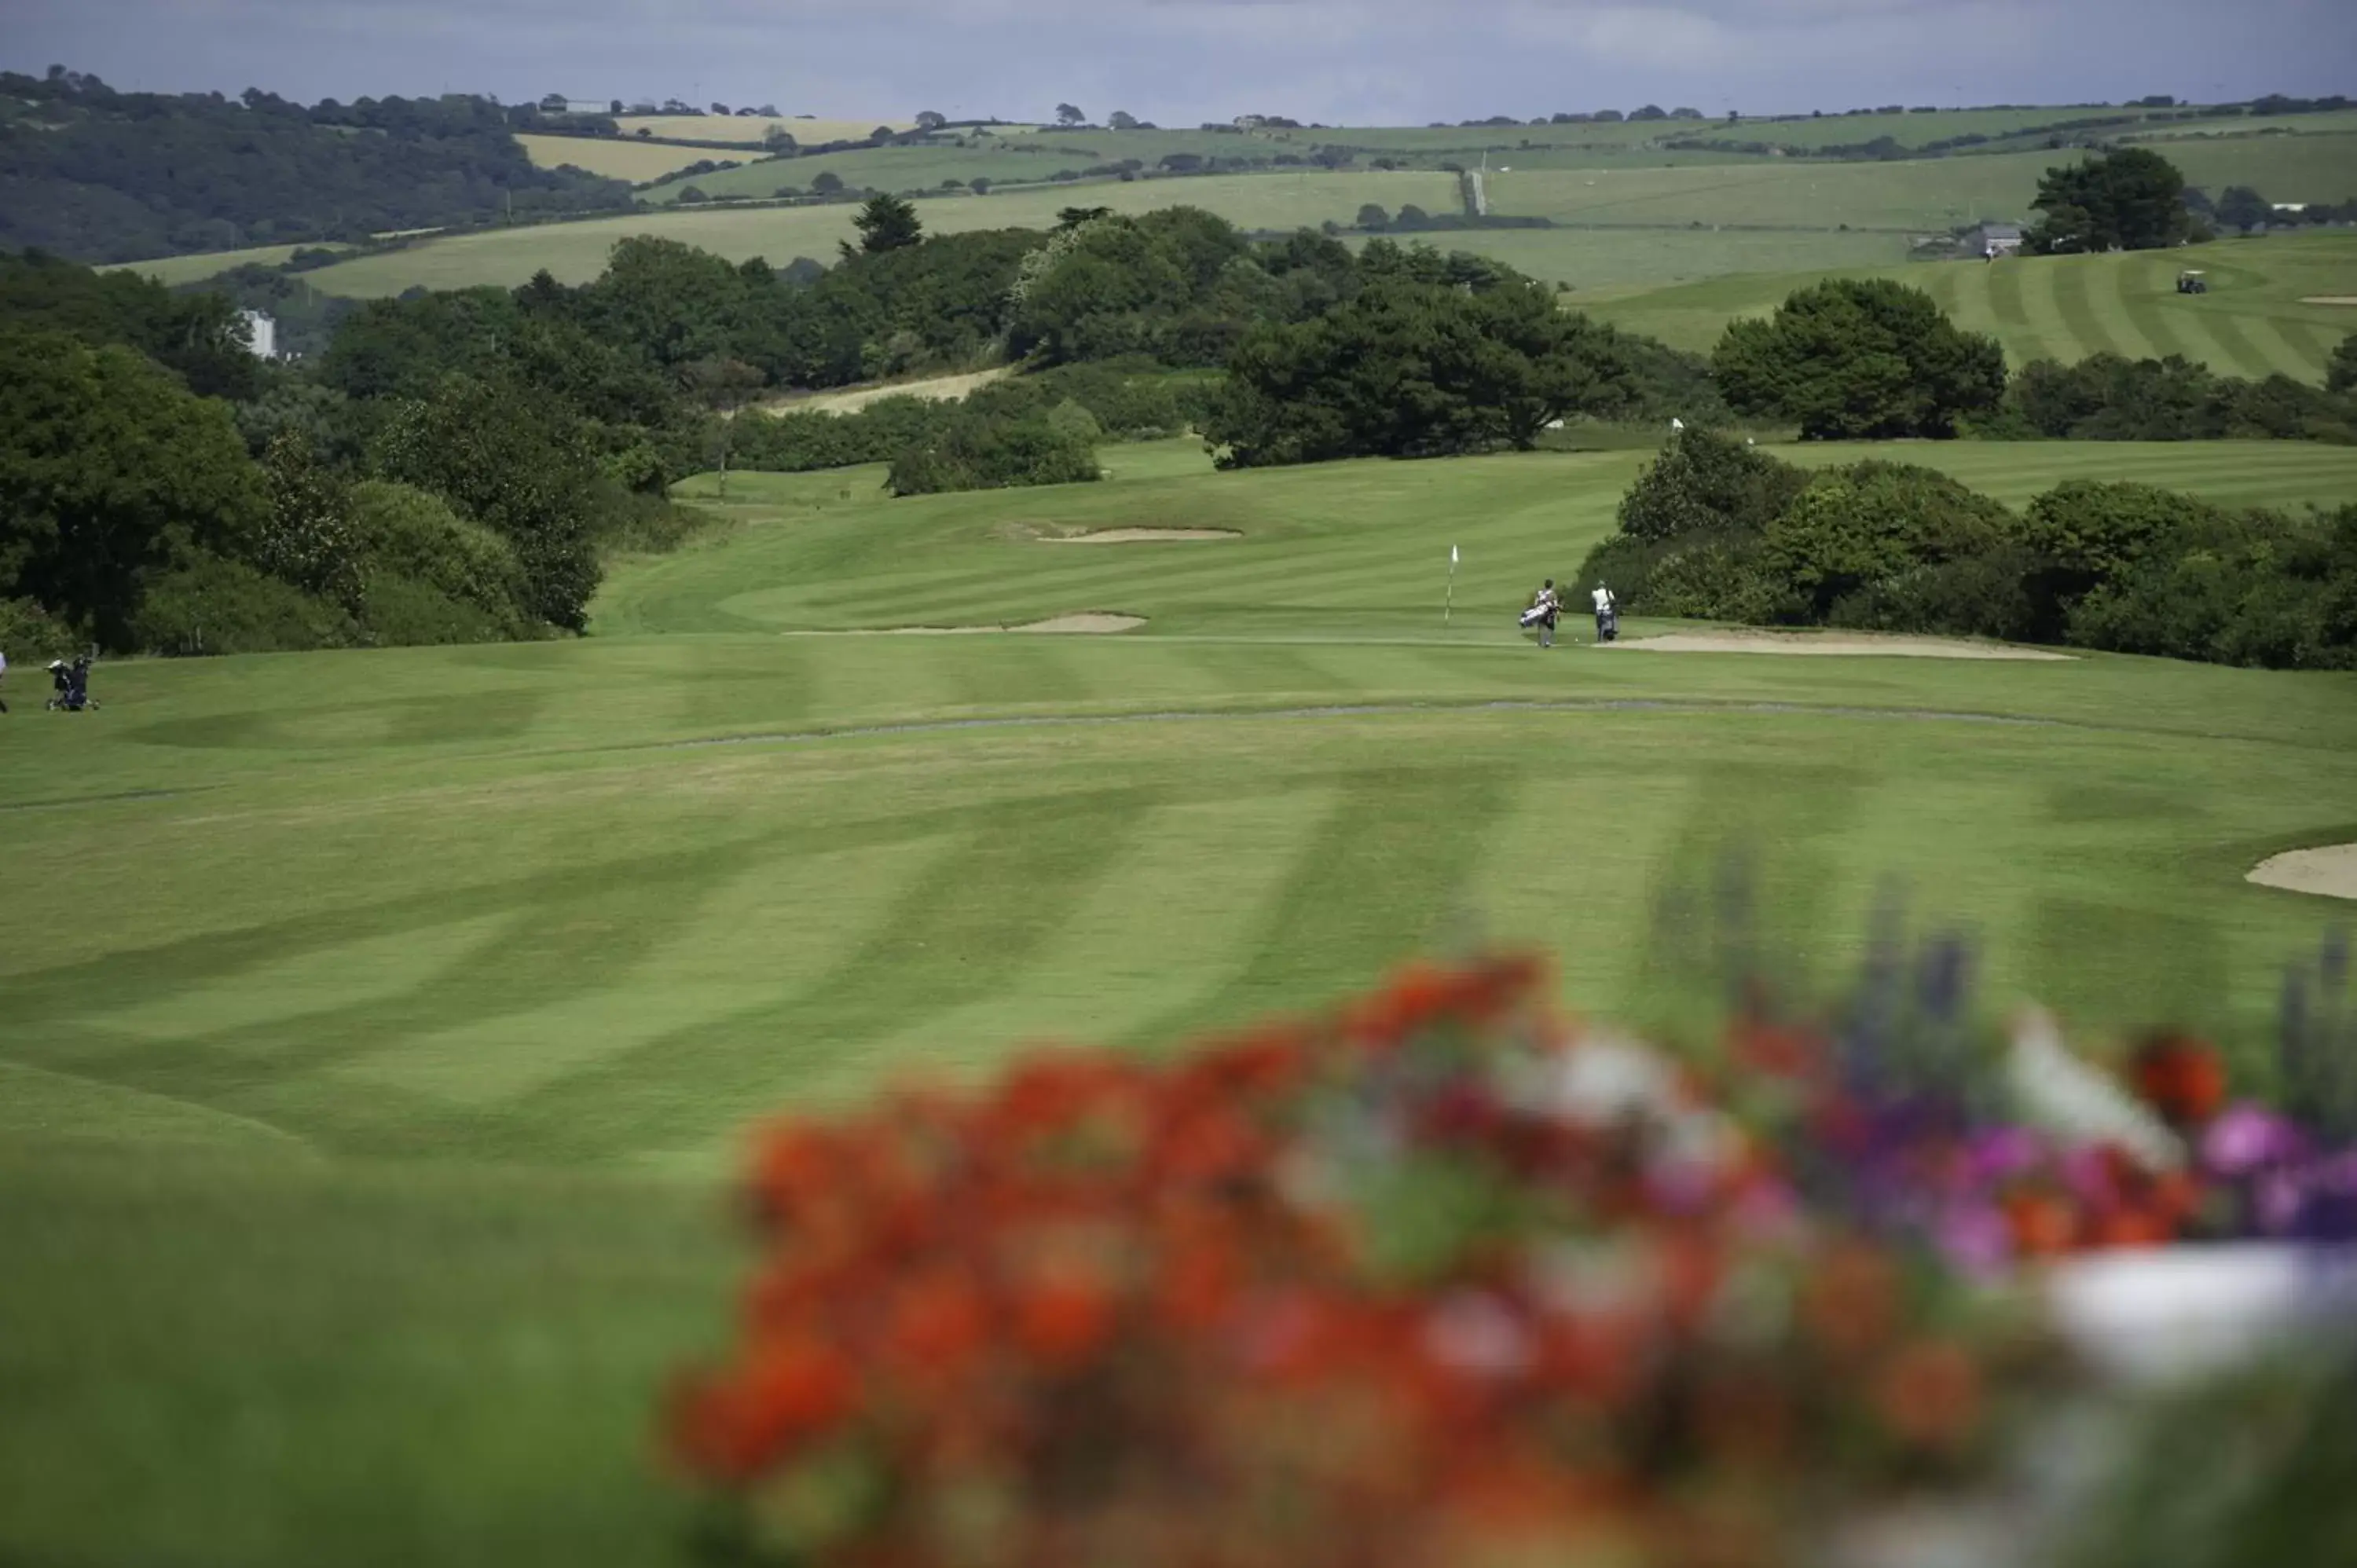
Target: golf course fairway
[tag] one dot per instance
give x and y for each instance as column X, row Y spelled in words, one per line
column 377, row 1029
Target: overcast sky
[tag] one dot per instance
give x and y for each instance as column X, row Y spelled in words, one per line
column 1182, row 61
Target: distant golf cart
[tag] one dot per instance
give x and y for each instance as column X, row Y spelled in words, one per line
column 2193, row 282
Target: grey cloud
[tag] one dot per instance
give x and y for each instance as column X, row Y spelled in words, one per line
column 1182, row 60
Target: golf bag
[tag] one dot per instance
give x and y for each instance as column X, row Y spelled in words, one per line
column 1533, row 616
column 72, row 683
column 1608, row 625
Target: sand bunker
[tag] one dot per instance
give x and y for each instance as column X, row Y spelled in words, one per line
column 2330, row 299
column 1139, row 535
column 2330, row 872
column 1850, row 644
column 1093, row 622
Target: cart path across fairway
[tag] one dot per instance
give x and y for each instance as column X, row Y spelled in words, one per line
column 2329, row 871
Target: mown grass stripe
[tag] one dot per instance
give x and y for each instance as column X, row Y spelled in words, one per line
column 2239, row 355
column 2074, row 302
column 1119, row 964
column 2002, row 290
column 2285, row 348
column 2048, row 336
column 2144, row 296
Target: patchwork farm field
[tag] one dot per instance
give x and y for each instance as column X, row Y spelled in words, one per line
column 1629, row 210
column 376, row 1027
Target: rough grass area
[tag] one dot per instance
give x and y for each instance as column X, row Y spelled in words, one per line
column 378, row 1025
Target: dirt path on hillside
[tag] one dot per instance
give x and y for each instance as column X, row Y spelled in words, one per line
column 1850, row 644
column 851, row 400
column 2330, row 872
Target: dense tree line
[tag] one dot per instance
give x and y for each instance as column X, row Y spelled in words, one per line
column 89, row 172
column 2107, row 398
column 449, row 474
column 1722, row 530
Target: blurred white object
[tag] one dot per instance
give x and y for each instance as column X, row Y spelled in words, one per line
column 2058, row 1092
column 2167, row 1313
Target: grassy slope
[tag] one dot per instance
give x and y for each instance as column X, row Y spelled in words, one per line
column 378, row 1017
column 2252, row 323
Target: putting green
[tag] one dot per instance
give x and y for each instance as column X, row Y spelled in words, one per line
column 376, row 1023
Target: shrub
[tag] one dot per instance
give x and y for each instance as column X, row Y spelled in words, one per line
column 1708, row 483
column 1723, row 578
column 2340, row 371
column 1071, row 420
column 411, row 536
column 2255, row 588
column 796, row 443
column 208, row 603
column 977, row 453
column 410, row 612
column 1872, row 525
column 30, row 635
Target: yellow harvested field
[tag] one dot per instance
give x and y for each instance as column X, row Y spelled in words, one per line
column 749, row 129
column 627, row 159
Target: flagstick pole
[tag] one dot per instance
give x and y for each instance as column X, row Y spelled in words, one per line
column 1449, row 605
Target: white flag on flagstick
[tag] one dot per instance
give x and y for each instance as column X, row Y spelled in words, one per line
column 1452, row 555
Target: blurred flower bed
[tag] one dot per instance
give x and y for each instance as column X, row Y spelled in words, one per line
column 1442, row 1278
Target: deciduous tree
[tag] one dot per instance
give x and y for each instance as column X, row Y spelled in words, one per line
column 2130, row 199
column 1859, row 358
column 110, row 470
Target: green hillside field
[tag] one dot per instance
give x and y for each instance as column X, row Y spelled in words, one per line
column 2253, row 322
column 575, row 252
column 379, row 1024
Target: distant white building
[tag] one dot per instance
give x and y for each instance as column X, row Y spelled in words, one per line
column 589, row 106
column 261, row 333
column 1994, row 240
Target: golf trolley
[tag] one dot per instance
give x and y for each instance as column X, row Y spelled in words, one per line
column 72, row 683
